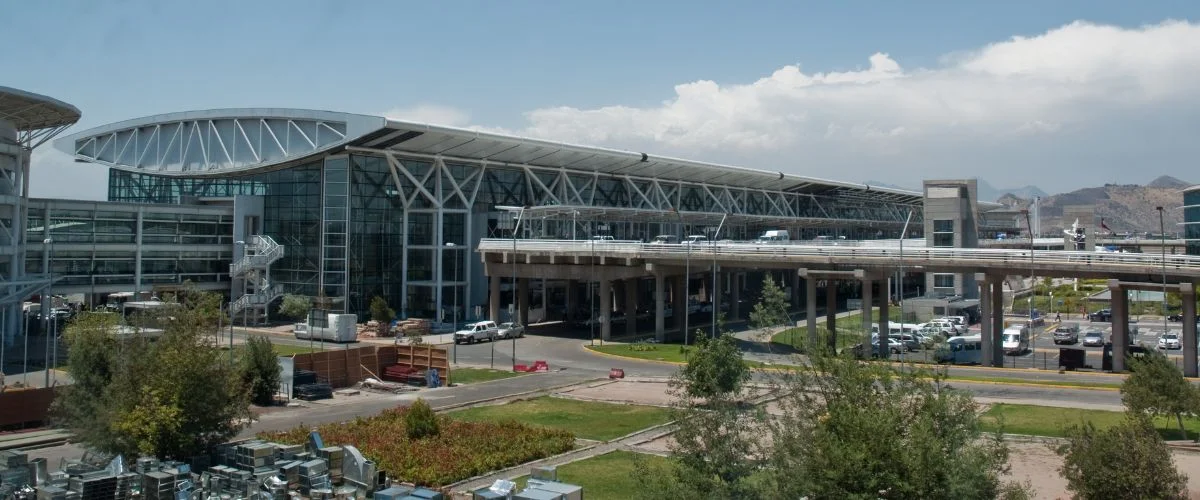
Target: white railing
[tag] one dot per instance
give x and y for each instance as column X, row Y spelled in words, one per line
column 1011, row 258
column 260, row 251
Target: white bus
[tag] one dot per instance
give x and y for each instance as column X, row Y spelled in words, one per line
column 961, row 350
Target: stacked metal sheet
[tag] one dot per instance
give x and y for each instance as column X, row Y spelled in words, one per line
column 333, row 455
column 95, row 486
column 158, row 485
column 313, row 392
column 314, row 475
column 255, row 455
column 51, row 493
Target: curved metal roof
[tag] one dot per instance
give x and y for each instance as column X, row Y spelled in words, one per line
column 223, row 141
column 28, row 111
column 217, row 141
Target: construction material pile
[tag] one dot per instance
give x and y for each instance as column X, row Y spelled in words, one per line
column 306, row 386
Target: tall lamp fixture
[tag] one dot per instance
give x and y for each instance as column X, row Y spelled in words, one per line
column 1162, row 232
column 716, row 289
column 454, row 310
column 687, row 275
column 51, row 322
column 519, row 215
column 1032, row 279
column 231, row 360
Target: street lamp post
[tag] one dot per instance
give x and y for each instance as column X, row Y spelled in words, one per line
column 1032, row 278
column 1162, row 230
column 231, row 360
column 454, row 310
column 51, row 319
column 518, row 214
column 687, row 276
column 716, row 289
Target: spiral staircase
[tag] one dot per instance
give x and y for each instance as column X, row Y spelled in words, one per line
column 254, row 268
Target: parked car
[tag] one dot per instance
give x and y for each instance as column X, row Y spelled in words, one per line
column 1169, row 341
column 1066, row 333
column 476, row 332
column 665, row 239
column 944, row 326
column 894, row 346
column 910, row 341
column 1093, row 338
column 510, row 330
column 959, row 322
column 1175, row 317
column 1104, row 315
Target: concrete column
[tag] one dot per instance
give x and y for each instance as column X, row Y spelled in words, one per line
column 1120, row 324
column 810, row 307
column 867, row 305
column 997, row 346
column 605, row 309
column 494, row 298
column 1188, row 294
column 523, row 301
column 660, row 309
column 985, row 319
column 884, row 328
column 679, row 301
column 631, row 302
column 735, row 296
column 572, row 298
column 796, row 290
column 546, row 300
column 831, row 305
column 715, row 299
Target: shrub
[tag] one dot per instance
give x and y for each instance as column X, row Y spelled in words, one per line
column 260, row 370
column 420, row 421
column 461, row 450
column 1126, row 461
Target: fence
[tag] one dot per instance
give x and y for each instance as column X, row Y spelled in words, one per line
column 344, row 368
column 21, row 408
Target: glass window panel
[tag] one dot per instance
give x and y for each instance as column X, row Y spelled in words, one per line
column 943, row 226
column 943, row 239
column 420, row 228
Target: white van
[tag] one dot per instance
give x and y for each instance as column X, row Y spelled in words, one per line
column 1015, row 339
column 774, row 235
column 665, row 239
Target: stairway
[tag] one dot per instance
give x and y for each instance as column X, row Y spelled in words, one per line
column 255, row 269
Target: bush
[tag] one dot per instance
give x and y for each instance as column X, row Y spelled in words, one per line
column 715, row 368
column 461, row 450
column 380, row 311
column 295, row 306
column 260, row 370
column 420, row 421
column 1127, row 461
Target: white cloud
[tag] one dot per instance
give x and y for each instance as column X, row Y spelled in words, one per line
column 1082, row 91
column 431, row 113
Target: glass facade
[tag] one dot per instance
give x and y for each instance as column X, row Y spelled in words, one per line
column 359, row 226
column 1191, row 221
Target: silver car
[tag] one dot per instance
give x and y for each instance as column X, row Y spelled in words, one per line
column 510, row 330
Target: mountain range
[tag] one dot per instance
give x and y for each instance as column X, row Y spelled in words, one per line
column 1123, row 207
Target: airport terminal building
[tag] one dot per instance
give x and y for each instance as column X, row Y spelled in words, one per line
column 346, row 207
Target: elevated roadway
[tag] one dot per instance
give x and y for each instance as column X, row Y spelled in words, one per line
column 608, row 262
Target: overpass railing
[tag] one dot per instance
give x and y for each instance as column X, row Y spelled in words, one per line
column 1009, row 257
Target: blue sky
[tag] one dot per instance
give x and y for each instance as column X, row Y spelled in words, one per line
column 610, row 73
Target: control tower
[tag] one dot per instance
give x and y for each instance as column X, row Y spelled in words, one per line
column 27, row 120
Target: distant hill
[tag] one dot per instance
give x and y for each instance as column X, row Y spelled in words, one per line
column 989, row 193
column 1124, row 207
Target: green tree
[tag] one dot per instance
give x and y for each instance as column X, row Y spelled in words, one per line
column 1126, row 461
column 771, row 310
column 714, row 368
column 380, row 311
column 420, row 421
column 295, row 306
column 173, row 396
column 1156, row 387
column 260, row 370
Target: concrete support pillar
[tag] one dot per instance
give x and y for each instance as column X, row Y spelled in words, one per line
column 985, row 318
column 631, row 303
column 572, row 298
column 605, row 309
column 884, row 327
column 679, row 301
column 1120, row 324
column 735, row 296
column 810, row 307
column 997, row 346
column 1187, row 293
column 868, row 305
column 523, row 301
column 715, row 281
column 796, row 291
column 831, row 305
column 660, row 307
column 546, row 300
column 494, row 298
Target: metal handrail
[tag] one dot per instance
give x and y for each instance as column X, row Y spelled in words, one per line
column 1187, row 263
column 266, row 252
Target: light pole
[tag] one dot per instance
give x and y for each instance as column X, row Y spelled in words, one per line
column 687, row 275
column 591, row 293
column 48, row 309
column 518, row 214
column 716, row 289
column 900, row 288
column 231, row 360
column 454, row 311
column 1162, row 230
column 1032, row 278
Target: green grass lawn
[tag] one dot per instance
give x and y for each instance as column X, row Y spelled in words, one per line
column 849, row 329
column 290, row 350
column 585, row 419
column 476, row 375
column 605, row 477
column 1049, row 421
column 674, row 353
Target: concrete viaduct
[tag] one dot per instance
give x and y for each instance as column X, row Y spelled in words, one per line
column 627, row 263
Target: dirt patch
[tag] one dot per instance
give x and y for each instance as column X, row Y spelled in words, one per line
column 641, row 393
column 1037, row 463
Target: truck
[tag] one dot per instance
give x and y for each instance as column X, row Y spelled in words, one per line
column 476, row 332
